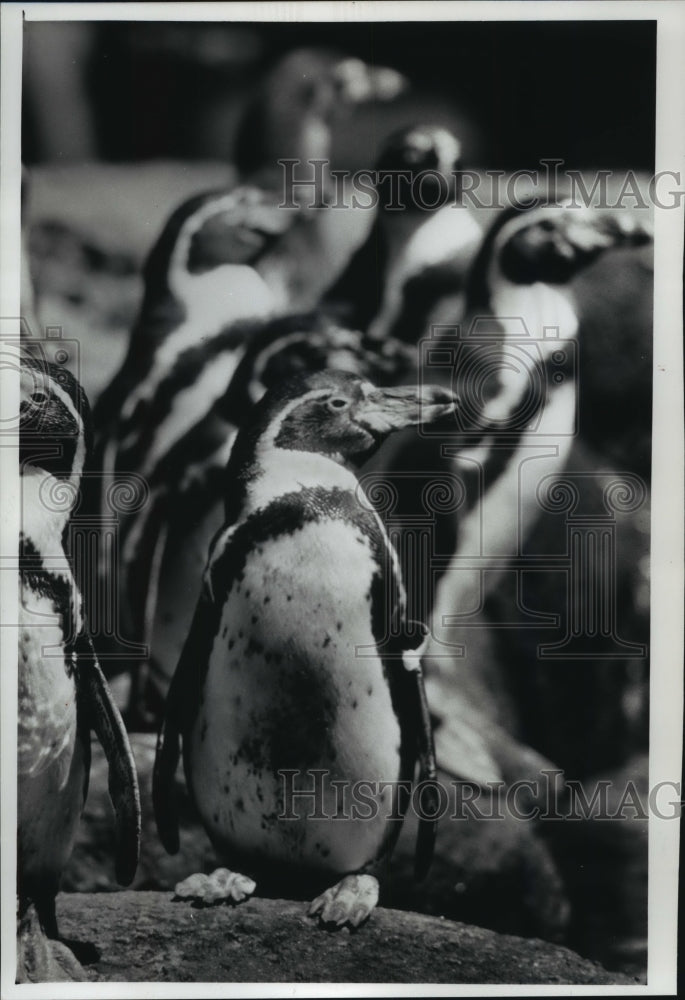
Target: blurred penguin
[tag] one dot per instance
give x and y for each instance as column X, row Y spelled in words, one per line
column 420, row 230
column 531, row 402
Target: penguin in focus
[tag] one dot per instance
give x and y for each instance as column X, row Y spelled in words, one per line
column 63, row 694
column 300, row 660
column 420, row 232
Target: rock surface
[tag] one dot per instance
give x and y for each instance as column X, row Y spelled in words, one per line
column 496, row 874
column 500, row 874
column 145, row 937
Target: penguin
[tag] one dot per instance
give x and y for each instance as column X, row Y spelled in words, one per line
column 589, row 273
column 420, row 230
column 163, row 545
column 523, row 414
column 223, row 260
column 62, row 692
column 529, row 275
column 199, row 278
column 298, row 103
column 420, row 248
column 256, row 248
column 298, row 662
column 614, row 299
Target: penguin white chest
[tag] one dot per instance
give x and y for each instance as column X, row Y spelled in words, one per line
column 287, row 690
column 50, row 760
column 47, row 691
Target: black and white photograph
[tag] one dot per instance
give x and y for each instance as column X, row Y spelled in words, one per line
column 342, row 466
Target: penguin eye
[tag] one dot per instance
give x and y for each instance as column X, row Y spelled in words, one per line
column 546, row 225
column 338, row 403
column 39, row 398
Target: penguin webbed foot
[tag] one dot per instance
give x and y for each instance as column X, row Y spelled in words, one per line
column 41, row 959
column 351, row 901
column 222, row 886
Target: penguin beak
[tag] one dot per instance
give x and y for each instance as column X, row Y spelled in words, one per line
column 385, row 410
column 358, row 82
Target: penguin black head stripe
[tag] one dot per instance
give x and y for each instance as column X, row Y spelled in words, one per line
column 530, row 242
column 331, row 413
column 300, row 344
column 53, row 408
column 555, row 242
column 350, row 419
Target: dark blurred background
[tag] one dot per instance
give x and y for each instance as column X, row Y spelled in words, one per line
column 518, row 91
column 104, row 103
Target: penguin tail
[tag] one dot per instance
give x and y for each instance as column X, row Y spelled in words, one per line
column 163, row 790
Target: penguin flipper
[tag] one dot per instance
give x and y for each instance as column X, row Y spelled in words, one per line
column 353, row 297
column 163, row 793
column 144, row 573
column 180, row 709
column 143, row 551
column 428, row 827
column 104, row 718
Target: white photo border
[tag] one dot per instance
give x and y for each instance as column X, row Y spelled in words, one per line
column 665, row 753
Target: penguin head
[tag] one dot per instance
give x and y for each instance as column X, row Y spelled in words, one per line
column 357, row 82
column 216, row 236
column 323, row 82
column 209, row 230
column 428, row 150
column 54, row 420
column 550, row 243
column 554, row 243
column 300, row 99
column 534, row 255
column 300, row 344
column 336, row 414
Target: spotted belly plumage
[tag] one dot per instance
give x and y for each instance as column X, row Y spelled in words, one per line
column 287, row 692
column 51, row 754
